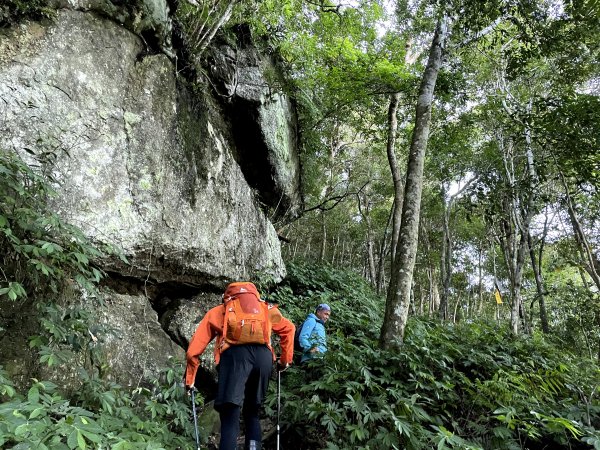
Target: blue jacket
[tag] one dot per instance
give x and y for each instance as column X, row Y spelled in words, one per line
column 311, row 335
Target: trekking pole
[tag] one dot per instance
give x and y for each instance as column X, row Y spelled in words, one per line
column 278, row 403
column 195, row 419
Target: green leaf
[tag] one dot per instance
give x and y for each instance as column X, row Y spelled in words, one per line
column 81, row 258
column 22, row 429
column 92, row 436
column 72, row 440
column 33, row 395
column 80, row 440
column 36, row 412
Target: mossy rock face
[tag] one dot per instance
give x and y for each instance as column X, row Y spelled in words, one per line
column 141, row 161
column 147, row 18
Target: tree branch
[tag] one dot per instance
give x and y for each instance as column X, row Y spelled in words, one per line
column 336, row 198
column 487, row 30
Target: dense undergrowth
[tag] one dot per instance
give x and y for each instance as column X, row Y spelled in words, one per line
column 467, row 386
column 464, row 386
column 102, row 415
column 42, row 257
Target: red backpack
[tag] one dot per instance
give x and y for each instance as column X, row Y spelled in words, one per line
column 246, row 316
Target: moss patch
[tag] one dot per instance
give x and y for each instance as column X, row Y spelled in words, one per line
column 13, row 11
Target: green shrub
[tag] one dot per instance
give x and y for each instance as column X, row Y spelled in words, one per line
column 103, row 415
column 465, row 386
column 355, row 306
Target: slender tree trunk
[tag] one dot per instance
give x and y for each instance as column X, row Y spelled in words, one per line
column 539, row 283
column 519, row 207
column 456, row 309
column 480, row 273
column 382, row 255
column 435, row 298
column 396, row 176
column 517, row 313
column 307, row 248
column 446, row 257
column 434, row 292
column 399, row 292
column 336, row 246
column 447, row 248
column 521, row 212
column 371, row 260
column 364, row 209
column 323, row 238
column 512, row 250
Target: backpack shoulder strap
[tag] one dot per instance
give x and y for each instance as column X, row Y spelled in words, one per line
column 267, row 327
column 225, row 321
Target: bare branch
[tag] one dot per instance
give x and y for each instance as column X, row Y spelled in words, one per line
column 487, row 30
column 336, row 198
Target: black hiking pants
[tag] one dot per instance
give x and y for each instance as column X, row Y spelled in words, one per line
column 244, row 372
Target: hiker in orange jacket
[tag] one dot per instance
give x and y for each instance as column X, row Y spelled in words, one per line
column 244, row 366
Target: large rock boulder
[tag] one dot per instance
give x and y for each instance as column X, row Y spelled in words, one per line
column 138, row 162
column 143, row 163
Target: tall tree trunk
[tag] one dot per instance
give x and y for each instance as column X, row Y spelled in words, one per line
column 307, row 248
column 512, row 240
column 539, row 283
column 480, row 275
column 323, row 238
column 365, row 212
column 383, row 248
column 396, row 176
column 336, row 247
column 446, row 259
column 371, row 260
column 521, row 212
column 454, row 316
column 447, row 248
column 517, row 316
column 434, row 292
column 399, row 292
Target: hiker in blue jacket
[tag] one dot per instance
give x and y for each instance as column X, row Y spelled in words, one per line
column 312, row 337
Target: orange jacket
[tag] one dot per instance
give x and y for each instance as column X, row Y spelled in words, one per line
column 211, row 326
